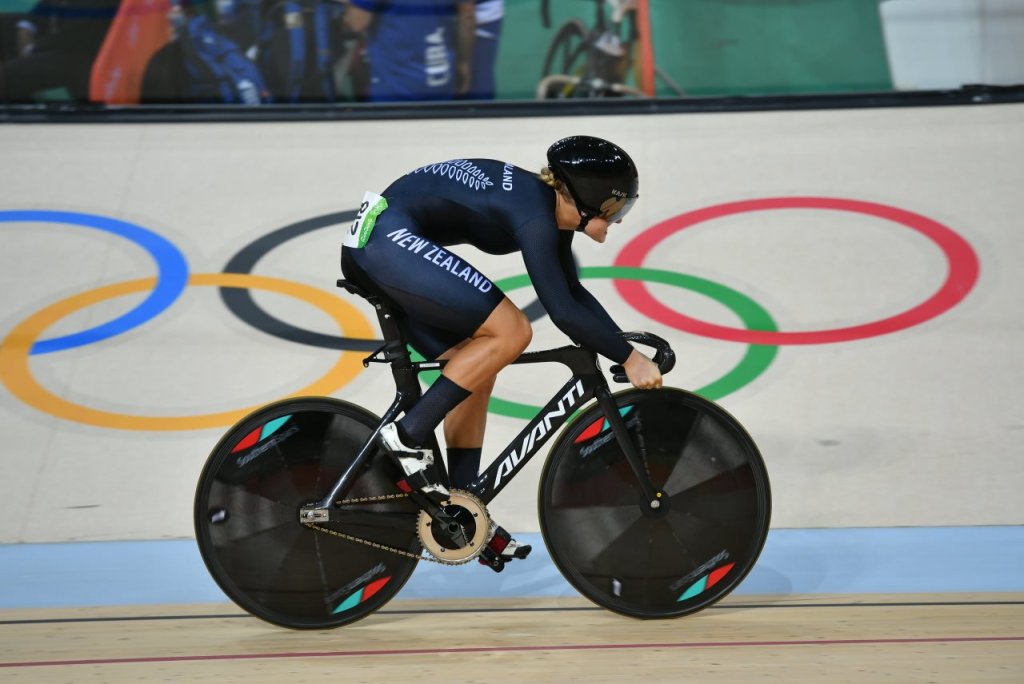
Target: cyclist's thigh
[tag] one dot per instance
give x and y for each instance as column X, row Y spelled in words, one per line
column 444, row 297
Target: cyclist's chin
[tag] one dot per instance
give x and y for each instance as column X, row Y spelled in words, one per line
column 597, row 233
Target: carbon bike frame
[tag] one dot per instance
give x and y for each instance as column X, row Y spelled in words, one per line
column 586, row 383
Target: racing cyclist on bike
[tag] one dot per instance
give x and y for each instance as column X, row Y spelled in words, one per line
column 399, row 248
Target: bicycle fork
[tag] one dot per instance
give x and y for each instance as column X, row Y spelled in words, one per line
column 606, row 401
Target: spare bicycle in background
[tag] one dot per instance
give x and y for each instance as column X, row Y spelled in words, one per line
column 652, row 503
column 589, row 62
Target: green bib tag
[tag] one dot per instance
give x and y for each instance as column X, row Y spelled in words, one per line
column 358, row 233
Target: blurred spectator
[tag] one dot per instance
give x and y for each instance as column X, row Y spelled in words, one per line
column 25, row 38
column 299, row 47
column 200, row 64
column 240, row 22
column 489, row 15
column 58, row 41
column 416, row 49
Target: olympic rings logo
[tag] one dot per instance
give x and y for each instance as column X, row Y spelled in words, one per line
column 960, row 279
column 628, row 273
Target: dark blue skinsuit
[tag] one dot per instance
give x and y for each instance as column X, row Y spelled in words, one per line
column 498, row 208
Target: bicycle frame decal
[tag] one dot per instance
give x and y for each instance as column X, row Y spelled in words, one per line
column 263, row 432
column 534, row 435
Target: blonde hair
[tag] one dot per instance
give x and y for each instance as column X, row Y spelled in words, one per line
column 547, row 176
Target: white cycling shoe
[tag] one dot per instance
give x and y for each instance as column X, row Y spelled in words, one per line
column 416, row 464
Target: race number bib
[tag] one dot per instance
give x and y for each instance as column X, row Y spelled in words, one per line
column 359, row 232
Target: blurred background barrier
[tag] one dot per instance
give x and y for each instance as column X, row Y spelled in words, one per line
column 251, row 52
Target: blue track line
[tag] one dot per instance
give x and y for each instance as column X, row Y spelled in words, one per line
column 810, row 561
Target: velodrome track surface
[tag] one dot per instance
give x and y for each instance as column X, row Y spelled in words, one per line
column 853, row 605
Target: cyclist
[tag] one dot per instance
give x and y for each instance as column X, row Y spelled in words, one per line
column 399, row 248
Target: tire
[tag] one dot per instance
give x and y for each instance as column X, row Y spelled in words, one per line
column 655, row 563
column 273, row 462
column 566, row 55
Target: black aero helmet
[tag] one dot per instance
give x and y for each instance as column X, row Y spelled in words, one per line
column 598, row 174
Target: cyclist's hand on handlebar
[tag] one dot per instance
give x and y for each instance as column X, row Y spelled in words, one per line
column 635, row 369
column 641, row 371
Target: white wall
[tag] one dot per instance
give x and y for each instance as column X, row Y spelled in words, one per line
column 917, row 427
column 939, row 44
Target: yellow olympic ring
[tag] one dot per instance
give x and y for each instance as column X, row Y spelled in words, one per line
column 17, row 375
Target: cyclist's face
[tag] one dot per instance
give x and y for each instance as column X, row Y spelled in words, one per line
column 568, row 217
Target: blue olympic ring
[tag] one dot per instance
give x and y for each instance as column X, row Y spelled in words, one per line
column 171, row 280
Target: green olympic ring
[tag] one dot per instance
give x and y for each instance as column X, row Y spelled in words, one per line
column 754, row 362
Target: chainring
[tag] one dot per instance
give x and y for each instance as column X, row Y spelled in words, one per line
column 466, row 509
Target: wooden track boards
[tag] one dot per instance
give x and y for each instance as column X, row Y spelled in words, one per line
column 812, row 638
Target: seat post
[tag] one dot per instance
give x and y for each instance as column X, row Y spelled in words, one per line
column 395, row 351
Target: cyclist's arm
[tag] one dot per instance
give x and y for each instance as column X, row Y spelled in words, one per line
column 464, row 38
column 639, row 369
column 580, row 293
column 540, row 248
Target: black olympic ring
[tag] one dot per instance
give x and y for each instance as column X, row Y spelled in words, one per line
column 241, row 303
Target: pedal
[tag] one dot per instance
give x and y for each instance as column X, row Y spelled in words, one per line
column 522, row 552
column 501, row 549
column 491, row 560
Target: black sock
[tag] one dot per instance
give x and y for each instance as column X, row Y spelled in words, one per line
column 463, row 465
column 418, row 424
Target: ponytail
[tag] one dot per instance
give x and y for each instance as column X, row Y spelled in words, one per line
column 547, row 176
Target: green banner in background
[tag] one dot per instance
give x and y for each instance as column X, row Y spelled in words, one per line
column 721, row 47
column 17, row 5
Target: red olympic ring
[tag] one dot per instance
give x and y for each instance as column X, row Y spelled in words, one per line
column 962, row 276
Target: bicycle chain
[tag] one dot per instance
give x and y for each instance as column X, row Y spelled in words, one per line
column 367, row 542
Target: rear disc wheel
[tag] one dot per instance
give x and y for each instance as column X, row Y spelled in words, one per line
column 264, row 470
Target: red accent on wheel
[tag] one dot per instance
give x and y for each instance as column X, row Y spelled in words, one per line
column 593, row 430
column 249, row 440
column 718, row 573
column 373, row 587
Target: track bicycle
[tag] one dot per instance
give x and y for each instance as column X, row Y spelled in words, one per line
column 589, row 62
column 652, row 503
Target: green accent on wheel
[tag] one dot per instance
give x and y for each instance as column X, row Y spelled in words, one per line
column 351, row 602
column 697, row 588
column 754, row 362
column 273, row 426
